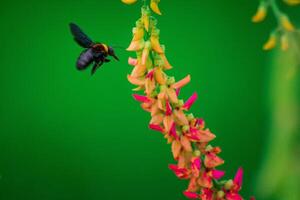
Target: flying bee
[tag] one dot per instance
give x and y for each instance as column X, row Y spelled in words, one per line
column 95, row 52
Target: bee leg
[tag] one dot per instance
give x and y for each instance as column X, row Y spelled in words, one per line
column 96, row 66
column 106, row 60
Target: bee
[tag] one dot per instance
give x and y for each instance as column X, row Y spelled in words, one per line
column 95, row 52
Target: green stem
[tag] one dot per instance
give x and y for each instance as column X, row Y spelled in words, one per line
column 277, row 12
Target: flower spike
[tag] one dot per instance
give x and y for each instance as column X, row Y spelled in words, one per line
column 196, row 160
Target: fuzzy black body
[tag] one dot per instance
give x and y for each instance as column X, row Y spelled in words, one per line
column 96, row 53
column 85, row 59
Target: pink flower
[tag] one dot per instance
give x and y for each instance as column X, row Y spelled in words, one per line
column 200, row 135
column 212, row 160
column 181, row 173
column 200, row 122
column 191, row 195
column 193, row 185
column 205, row 180
column 168, row 108
column 207, row 194
column 238, row 179
column 233, row 196
column 173, row 131
column 217, row 174
column 156, row 127
column 132, row 61
column 187, row 105
column 150, row 74
column 140, row 98
column 195, row 166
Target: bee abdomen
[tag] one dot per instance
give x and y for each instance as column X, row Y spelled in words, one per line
column 85, row 59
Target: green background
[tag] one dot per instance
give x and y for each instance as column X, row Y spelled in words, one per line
column 67, row 135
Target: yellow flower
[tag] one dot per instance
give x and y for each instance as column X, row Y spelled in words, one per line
column 284, row 42
column 286, row 24
column 154, row 6
column 146, row 51
column 155, row 41
column 160, row 76
column 271, row 43
column 145, row 17
column 292, row 2
column 260, row 14
column 138, row 31
column 136, row 45
column 129, row 1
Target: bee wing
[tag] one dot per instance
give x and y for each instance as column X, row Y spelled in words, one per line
column 80, row 37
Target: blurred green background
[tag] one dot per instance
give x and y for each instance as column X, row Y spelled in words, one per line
column 66, row 135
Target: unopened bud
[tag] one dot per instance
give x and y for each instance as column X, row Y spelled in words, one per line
column 197, row 153
column 228, row 185
column 190, row 117
column 260, row 14
column 186, row 128
column 220, row 194
column 171, row 80
column 209, row 148
column 180, row 103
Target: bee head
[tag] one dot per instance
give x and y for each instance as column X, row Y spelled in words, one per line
column 111, row 52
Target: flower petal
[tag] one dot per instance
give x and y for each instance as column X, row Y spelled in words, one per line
column 145, row 53
column 135, row 81
column 176, row 148
column 168, row 108
column 193, row 185
column 168, row 122
column 160, row 77
column 132, row 61
column 141, row 98
column 139, row 71
column 172, row 95
column 212, row 160
column 149, row 86
column 186, row 144
column 181, row 173
column 166, row 62
column 156, row 127
column 136, row 45
column 182, row 82
column 195, row 166
column 129, row 1
column 205, row 181
column 178, row 91
column 180, row 118
column 233, row 196
column 217, row 174
column 173, row 131
column 157, row 119
column 187, row 105
column 191, row 195
column 238, row 179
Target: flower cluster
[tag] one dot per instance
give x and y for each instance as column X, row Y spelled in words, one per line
column 285, row 29
column 196, row 159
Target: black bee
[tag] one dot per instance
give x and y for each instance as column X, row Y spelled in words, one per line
column 94, row 51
